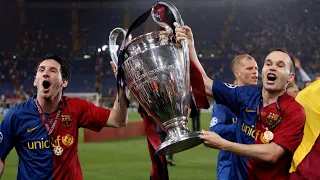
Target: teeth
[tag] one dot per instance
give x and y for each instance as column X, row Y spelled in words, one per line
column 271, row 75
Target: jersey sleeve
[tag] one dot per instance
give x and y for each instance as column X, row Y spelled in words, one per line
column 232, row 96
column 7, row 134
column 289, row 134
column 221, row 122
column 91, row 117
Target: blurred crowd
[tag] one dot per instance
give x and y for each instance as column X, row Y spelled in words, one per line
column 221, row 32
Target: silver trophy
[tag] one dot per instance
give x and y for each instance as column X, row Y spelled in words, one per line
column 156, row 70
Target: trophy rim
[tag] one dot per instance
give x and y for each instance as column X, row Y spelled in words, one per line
column 134, row 40
column 172, row 146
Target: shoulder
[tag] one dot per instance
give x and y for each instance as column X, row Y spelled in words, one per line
column 238, row 89
column 293, row 109
column 28, row 106
column 74, row 101
column 249, row 89
column 20, row 110
column 220, row 107
column 71, row 99
column 291, row 103
column 76, row 104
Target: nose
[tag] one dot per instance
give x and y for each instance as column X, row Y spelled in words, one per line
column 45, row 73
column 272, row 67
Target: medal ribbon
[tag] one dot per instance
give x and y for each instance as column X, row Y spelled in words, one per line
column 45, row 121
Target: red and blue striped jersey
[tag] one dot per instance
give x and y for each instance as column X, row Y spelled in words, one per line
column 23, row 130
column 244, row 102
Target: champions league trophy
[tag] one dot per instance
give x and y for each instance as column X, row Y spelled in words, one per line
column 156, row 70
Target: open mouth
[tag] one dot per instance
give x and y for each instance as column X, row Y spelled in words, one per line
column 271, row 77
column 46, row 84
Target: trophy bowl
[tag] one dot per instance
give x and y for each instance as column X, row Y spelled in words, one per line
column 156, row 70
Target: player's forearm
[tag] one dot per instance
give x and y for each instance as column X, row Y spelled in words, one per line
column 207, row 81
column 2, row 163
column 304, row 75
column 119, row 112
column 194, row 58
column 263, row 152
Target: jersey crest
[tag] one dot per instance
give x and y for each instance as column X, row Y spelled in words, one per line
column 213, row 121
column 66, row 120
column 230, row 85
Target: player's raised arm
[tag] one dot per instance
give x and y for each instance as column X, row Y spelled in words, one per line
column 185, row 33
column 119, row 113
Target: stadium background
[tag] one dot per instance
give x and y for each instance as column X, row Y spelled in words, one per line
column 79, row 31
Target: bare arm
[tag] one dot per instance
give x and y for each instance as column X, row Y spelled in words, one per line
column 119, row 113
column 264, row 152
column 303, row 74
column 2, row 163
column 185, row 33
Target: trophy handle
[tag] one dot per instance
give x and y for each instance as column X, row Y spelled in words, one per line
column 184, row 43
column 113, row 47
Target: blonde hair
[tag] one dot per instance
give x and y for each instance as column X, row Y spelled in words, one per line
column 236, row 61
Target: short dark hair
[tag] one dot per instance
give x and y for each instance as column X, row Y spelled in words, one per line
column 64, row 63
column 291, row 58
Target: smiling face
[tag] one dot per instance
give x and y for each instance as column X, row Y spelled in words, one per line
column 276, row 72
column 49, row 80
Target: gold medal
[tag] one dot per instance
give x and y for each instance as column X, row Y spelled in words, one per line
column 268, row 135
column 57, row 150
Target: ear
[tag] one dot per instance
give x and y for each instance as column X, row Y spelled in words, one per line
column 291, row 77
column 64, row 83
column 236, row 74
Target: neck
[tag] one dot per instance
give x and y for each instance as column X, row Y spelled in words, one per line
column 270, row 97
column 240, row 83
column 49, row 105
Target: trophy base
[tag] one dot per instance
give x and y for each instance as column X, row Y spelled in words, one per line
column 182, row 143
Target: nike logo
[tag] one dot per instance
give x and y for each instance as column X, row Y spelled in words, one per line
column 249, row 111
column 30, row 130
